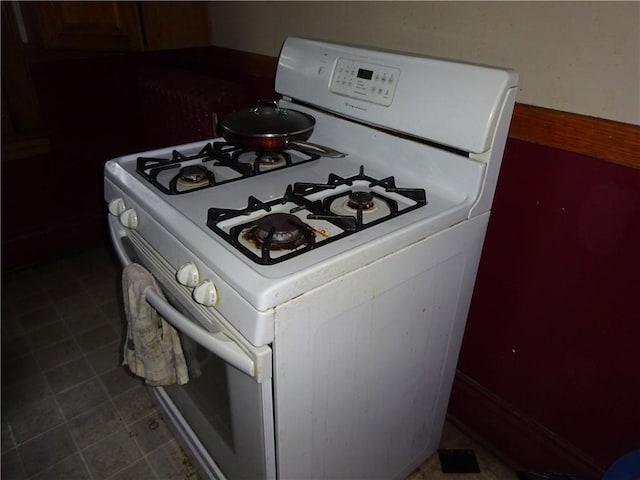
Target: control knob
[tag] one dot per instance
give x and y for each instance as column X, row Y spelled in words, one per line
column 188, row 275
column 116, row 207
column 205, row 293
column 129, row 218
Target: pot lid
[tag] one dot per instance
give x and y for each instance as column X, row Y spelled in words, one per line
column 267, row 120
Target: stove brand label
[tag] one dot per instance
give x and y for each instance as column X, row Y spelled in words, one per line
column 357, row 107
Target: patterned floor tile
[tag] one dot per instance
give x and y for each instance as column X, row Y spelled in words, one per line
column 141, row 470
column 71, row 468
column 46, row 450
column 134, row 404
column 93, row 425
column 112, row 454
column 66, row 376
column 12, row 467
column 35, row 419
column 82, row 398
column 151, row 432
column 170, row 460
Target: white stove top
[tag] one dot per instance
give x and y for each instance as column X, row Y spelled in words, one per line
column 455, row 178
column 184, row 218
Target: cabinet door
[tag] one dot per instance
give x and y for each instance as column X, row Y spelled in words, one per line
column 90, row 25
column 169, row 25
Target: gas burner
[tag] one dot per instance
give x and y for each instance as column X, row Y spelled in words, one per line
column 256, row 162
column 279, row 231
column 270, row 160
column 194, row 176
column 195, row 168
column 361, row 201
column 310, row 215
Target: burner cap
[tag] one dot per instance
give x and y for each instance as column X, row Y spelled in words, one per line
column 194, row 175
column 268, row 160
column 288, row 231
column 361, row 200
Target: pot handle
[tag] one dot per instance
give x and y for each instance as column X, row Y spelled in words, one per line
column 315, row 149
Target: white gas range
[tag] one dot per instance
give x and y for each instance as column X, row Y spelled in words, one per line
column 328, row 296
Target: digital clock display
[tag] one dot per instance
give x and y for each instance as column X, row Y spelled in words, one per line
column 366, row 74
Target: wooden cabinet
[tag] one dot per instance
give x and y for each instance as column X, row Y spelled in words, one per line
column 169, row 25
column 117, row 25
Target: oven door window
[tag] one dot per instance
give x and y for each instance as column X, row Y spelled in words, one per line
column 228, row 411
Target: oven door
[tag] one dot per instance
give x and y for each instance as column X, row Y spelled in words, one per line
column 224, row 414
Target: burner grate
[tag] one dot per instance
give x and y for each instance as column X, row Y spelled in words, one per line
column 152, row 167
column 211, row 156
column 296, row 198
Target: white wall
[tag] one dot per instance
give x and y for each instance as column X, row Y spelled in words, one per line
column 581, row 57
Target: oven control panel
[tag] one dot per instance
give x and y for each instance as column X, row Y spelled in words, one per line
column 365, row 81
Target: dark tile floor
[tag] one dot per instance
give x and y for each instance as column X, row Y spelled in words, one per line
column 69, row 410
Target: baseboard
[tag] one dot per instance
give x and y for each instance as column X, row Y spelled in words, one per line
column 512, row 434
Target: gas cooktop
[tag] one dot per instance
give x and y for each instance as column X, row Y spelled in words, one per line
column 309, row 215
column 178, row 172
column 305, row 216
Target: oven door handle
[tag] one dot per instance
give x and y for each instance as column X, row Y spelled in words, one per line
column 217, row 343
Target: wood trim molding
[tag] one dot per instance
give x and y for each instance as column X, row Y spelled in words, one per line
column 614, row 142
column 514, row 435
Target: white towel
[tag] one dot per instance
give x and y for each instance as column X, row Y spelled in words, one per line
column 152, row 347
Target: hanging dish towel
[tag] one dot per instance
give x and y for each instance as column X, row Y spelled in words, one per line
column 152, row 347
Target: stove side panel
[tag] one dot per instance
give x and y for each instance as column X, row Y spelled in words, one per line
column 364, row 364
